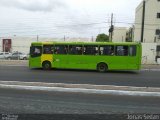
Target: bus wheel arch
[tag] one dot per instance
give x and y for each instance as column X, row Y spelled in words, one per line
column 102, row 67
column 46, row 65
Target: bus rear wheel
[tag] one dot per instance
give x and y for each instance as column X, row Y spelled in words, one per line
column 102, row 67
column 46, row 65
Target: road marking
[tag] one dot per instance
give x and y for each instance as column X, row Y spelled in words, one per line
column 86, row 86
column 82, row 90
column 89, row 86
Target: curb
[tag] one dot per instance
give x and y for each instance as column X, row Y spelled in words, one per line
column 150, row 70
column 13, row 62
column 79, row 88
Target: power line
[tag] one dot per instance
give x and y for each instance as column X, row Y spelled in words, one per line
column 75, row 25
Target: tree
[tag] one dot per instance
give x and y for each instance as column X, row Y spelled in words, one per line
column 102, row 38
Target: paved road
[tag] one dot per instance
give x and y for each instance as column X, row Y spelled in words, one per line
column 39, row 102
column 140, row 79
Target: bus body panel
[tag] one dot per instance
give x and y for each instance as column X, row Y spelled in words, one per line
column 117, row 62
column 60, row 61
column 35, row 62
column 91, row 62
column 77, row 62
column 46, row 57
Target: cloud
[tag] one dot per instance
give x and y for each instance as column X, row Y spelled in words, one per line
column 34, row 5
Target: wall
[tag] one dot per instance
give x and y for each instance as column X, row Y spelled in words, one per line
column 22, row 44
column 119, row 34
column 148, row 53
column 151, row 21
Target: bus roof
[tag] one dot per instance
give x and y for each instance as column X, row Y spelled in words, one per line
column 85, row 43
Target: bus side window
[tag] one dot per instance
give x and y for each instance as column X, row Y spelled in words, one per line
column 47, row 49
column 79, row 50
column 60, row 49
column 75, row 49
column 107, row 50
column 72, row 50
column 90, row 50
column 122, row 50
column 55, row 50
column 132, row 50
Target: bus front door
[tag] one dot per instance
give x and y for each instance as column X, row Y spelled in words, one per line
column 35, row 57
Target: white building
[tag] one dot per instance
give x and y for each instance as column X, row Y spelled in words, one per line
column 119, row 34
column 22, row 44
column 151, row 23
column 151, row 40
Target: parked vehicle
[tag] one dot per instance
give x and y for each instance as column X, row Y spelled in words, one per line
column 18, row 56
column 4, row 55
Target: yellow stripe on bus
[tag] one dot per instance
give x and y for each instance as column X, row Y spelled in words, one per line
column 46, row 57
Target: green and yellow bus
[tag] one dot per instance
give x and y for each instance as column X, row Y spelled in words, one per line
column 101, row 56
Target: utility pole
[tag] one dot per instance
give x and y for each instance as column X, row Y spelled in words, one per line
column 131, row 38
column 64, row 38
column 143, row 19
column 37, row 38
column 111, row 28
column 92, row 39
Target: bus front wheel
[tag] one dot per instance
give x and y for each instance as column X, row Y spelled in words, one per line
column 102, row 67
column 46, row 65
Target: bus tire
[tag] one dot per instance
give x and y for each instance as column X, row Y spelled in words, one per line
column 46, row 65
column 102, row 67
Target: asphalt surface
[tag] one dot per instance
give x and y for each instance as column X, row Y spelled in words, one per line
column 118, row 78
column 39, row 102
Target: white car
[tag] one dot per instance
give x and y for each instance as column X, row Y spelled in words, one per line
column 18, row 56
column 4, row 55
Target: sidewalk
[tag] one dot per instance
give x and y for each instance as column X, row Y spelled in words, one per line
column 155, row 66
column 14, row 62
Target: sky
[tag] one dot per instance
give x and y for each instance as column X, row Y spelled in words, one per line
column 59, row 18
